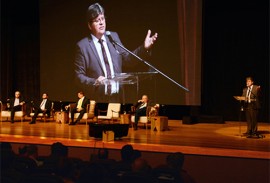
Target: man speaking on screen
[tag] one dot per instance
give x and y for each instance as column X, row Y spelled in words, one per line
column 98, row 60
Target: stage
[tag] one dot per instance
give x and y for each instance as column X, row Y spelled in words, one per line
column 197, row 139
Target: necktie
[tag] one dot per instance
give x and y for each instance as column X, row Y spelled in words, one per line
column 105, row 58
column 248, row 95
column 79, row 104
column 108, row 70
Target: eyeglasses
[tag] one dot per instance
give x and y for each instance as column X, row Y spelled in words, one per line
column 99, row 20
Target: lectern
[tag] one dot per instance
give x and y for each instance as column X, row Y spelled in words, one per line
column 127, row 87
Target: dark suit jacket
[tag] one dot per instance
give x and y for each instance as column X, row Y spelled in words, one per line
column 254, row 96
column 87, row 62
column 12, row 100
column 138, row 104
column 48, row 105
column 84, row 103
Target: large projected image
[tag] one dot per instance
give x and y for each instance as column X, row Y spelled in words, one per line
column 73, row 60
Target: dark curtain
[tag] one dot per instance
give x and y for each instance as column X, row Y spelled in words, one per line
column 235, row 45
column 190, row 33
column 20, row 49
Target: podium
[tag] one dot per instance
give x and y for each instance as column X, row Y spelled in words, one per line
column 242, row 99
column 126, row 87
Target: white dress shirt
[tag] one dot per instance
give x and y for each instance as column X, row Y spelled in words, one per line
column 98, row 47
column 42, row 105
column 16, row 102
column 113, row 84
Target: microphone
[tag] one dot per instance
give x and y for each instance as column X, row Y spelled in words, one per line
column 108, row 34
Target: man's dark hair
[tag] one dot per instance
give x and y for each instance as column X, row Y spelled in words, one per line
column 175, row 160
column 58, row 149
column 127, row 153
column 93, row 11
column 81, row 92
column 250, row 78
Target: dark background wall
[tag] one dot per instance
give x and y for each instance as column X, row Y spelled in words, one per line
column 235, row 45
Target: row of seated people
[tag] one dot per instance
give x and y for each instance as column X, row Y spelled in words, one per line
column 27, row 166
column 45, row 108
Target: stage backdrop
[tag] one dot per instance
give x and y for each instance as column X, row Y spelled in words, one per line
column 235, row 44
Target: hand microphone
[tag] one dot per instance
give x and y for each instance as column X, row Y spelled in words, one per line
column 108, row 33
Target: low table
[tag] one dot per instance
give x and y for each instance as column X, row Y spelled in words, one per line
column 159, row 123
column 61, row 117
column 125, row 119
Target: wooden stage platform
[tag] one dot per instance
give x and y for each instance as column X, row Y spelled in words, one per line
column 196, row 139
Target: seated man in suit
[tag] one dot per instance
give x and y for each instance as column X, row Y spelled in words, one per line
column 16, row 104
column 44, row 107
column 81, row 106
column 140, row 107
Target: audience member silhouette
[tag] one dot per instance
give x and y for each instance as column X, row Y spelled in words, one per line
column 102, row 158
column 31, row 152
column 7, row 155
column 140, row 172
column 127, row 156
column 131, row 168
column 174, row 166
column 140, row 165
column 59, row 153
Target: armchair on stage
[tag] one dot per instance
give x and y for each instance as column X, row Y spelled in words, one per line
column 111, row 113
column 90, row 111
column 42, row 115
column 151, row 111
column 5, row 111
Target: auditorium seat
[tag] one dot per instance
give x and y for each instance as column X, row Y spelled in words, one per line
column 90, row 114
column 112, row 112
column 145, row 120
column 42, row 115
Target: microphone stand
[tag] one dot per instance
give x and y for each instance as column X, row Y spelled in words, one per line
column 147, row 63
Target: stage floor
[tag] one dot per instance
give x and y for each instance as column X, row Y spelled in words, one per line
column 196, row 139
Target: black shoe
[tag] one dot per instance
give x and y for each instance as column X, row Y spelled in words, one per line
column 249, row 136
column 253, row 135
column 12, row 122
column 32, row 122
column 72, row 123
